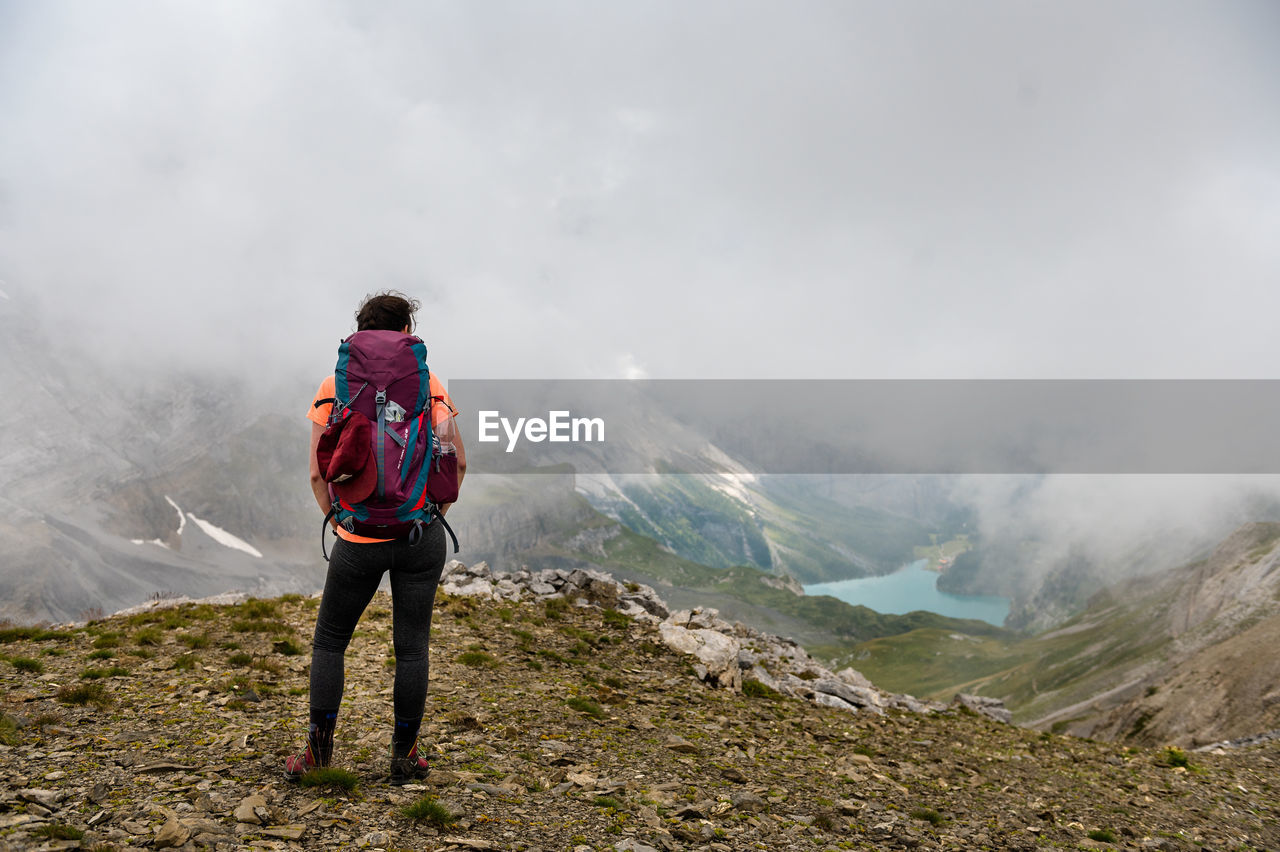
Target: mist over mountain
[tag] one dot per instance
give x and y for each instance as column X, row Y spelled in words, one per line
column 107, row 461
column 91, row 523
column 200, row 195
column 1184, row 655
column 1050, row 542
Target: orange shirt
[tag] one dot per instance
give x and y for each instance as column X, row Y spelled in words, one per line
column 320, row 415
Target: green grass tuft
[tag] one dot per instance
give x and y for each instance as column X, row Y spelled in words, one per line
column 928, row 815
column 1174, row 756
column 175, row 618
column 30, row 634
column 607, row 802
column 257, row 608
column 148, row 636
column 194, row 640
column 756, row 689
column 86, row 693
column 58, row 831
column 287, row 647
column 185, row 663
column 548, row 654
column 328, row 776
column 476, row 658
column 102, row 654
column 616, row 619
column 8, row 731
column 27, row 664
column 582, row 705
column 205, row 612
column 1103, row 835
column 430, row 811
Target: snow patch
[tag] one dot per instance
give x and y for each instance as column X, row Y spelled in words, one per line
column 603, row 492
column 182, row 519
column 154, row 541
column 733, row 485
column 597, row 485
column 223, row 537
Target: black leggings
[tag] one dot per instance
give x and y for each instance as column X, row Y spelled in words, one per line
column 355, row 570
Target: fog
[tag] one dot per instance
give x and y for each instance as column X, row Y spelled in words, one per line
column 1121, row 523
column 717, row 190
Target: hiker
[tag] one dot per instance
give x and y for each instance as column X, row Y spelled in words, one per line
column 414, row 558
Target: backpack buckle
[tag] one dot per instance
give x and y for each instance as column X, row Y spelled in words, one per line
column 381, row 398
column 415, row 533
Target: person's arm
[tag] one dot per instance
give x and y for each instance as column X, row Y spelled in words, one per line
column 318, row 486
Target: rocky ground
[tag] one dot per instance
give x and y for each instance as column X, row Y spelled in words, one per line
column 554, row 726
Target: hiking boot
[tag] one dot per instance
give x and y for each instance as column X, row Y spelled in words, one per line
column 297, row 765
column 411, row 767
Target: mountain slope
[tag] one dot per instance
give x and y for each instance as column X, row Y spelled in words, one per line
column 548, row 727
column 813, row 528
column 1186, row 656
column 541, row 521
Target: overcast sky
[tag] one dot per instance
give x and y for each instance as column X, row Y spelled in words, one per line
column 684, row 190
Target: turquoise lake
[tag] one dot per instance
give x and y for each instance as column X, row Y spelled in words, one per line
column 910, row 588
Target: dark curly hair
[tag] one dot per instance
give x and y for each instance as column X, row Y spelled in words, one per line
column 388, row 311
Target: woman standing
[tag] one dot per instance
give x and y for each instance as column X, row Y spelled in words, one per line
column 356, row 566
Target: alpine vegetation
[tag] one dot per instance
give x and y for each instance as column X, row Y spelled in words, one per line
column 589, row 729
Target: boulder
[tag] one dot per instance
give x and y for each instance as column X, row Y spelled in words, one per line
column 858, row 696
column 172, row 834
column 992, row 708
column 717, row 653
column 822, row 699
column 472, row 587
column 854, row 677
column 602, row 592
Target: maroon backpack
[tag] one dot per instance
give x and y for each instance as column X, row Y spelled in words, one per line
column 388, row 471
